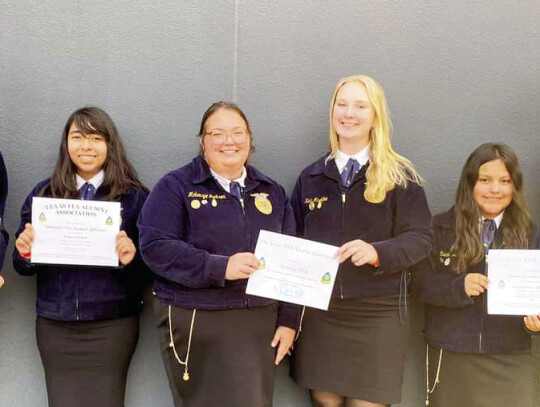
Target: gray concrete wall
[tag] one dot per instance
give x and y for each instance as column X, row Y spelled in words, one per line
column 456, row 74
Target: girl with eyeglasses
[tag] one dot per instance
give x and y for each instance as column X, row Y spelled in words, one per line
column 88, row 317
column 199, row 228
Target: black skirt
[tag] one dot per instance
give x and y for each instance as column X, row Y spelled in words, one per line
column 355, row 349
column 230, row 360
column 481, row 380
column 86, row 363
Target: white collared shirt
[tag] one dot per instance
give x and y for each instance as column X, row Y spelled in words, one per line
column 96, row 180
column 342, row 159
column 498, row 219
column 226, row 183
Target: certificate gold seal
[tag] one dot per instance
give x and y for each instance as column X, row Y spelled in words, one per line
column 195, row 204
column 262, row 203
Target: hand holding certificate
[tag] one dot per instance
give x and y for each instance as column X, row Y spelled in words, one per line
column 514, row 282
column 71, row 231
column 294, row 270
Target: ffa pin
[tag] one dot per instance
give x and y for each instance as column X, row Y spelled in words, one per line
column 311, row 205
column 262, row 203
column 195, row 204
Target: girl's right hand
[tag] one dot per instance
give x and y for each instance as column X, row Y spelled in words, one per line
column 241, row 265
column 475, row 284
column 24, row 241
column 1, row 281
column 532, row 322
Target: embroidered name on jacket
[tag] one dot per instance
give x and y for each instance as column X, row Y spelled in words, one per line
column 444, row 257
column 313, row 203
column 199, row 199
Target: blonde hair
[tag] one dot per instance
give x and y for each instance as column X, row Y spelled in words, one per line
column 386, row 167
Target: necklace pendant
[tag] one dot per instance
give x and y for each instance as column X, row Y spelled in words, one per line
column 185, row 376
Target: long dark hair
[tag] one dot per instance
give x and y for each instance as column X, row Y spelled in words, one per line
column 517, row 220
column 119, row 173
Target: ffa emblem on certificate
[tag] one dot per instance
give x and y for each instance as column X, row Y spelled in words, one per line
column 326, row 279
column 262, row 203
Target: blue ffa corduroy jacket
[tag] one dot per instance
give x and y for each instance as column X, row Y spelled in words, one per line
column 454, row 321
column 190, row 227
column 72, row 293
column 398, row 227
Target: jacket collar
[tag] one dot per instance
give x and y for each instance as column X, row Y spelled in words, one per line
column 447, row 220
column 329, row 169
column 202, row 173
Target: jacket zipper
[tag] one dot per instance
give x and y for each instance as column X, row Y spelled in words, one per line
column 483, row 308
column 77, row 301
column 242, row 205
column 241, row 200
column 343, row 200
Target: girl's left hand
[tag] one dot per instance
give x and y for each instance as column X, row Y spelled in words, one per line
column 1, row 281
column 532, row 322
column 125, row 248
column 284, row 337
column 359, row 252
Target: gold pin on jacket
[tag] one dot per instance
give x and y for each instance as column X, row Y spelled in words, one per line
column 262, row 203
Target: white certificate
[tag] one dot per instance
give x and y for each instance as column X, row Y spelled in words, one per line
column 294, row 270
column 72, row 231
column 514, row 282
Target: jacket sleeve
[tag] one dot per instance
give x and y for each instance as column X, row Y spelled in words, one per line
column 137, row 265
column 412, row 231
column 438, row 285
column 24, row 266
column 289, row 314
column 439, row 288
column 163, row 242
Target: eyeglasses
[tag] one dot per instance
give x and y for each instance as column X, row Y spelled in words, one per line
column 93, row 138
column 238, row 136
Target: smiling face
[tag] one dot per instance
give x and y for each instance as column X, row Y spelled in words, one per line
column 87, row 151
column 353, row 117
column 494, row 189
column 226, row 143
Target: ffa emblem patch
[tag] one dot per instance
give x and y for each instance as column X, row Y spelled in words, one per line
column 262, row 203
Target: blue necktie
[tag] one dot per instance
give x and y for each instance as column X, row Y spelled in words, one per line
column 488, row 232
column 236, row 190
column 87, row 191
column 348, row 173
